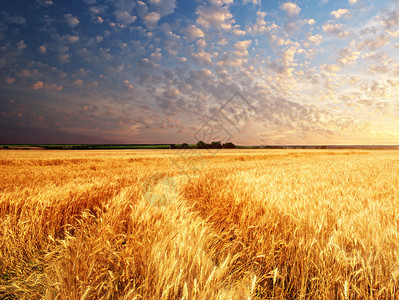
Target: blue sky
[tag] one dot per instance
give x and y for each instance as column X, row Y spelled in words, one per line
column 167, row 71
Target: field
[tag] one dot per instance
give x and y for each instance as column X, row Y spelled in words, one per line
column 189, row 224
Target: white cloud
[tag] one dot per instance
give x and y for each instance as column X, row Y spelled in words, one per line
column 45, row 2
column 192, row 32
column 203, row 57
column 163, row 7
column 392, row 19
column 124, row 17
column 63, row 58
column 220, row 2
column 238, row 32
column 71, row 38
column 315, row 39
column 215, row 16
column 336, row 29
column 152, row 18
column 340, row 13
column 377, row 42
column 42, row 49
column 242, row 45
column 291, row 9
column 21, row 45
column 348, row 56
column 353, row 2
column 255, row 2
column 12, row 19
column 78, row 82
column 71, row 20
column 38, row 85
column 241, row 48
column 128, row 85
column 260, row 26
column 331, row 69
column 124, row 5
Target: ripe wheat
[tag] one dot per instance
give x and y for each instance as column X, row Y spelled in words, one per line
column 238, row 224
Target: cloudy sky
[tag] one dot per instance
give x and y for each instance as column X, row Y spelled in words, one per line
column 170, row 71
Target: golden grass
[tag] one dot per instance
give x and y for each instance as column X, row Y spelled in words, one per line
column 166, row 224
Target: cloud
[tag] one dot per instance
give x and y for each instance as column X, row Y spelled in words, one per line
column 373, row 44
column 260, row 26
column 42, row 49
column 127, row 85
column 255, row 2
column 124, row 17
column 71, row 20
column 291, row 9
column 152, row 18
column 163, row 7
column 192, row 32
column 315, row 39
column 238, row 32
column 340, row 13
column 45, row 2
column 38, row 85
column 123, row 5
column 353, row 2
column 21, row 45
column 203, row 57
column 10, row 80
column 392, row 20
column 348, row 56
column 241, row 48
column 216, row 16
column 336, row 29
column 70, row 38
column 63, row 58
column 332, row 69
column 77, row 82
column 311, row 22
column 12, row 19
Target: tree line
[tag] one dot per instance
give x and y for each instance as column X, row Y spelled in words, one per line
column 203, row 145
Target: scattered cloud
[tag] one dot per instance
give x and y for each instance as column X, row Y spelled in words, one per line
column 152, row 18
column 38, row 85
column 42, row 49
column 123, row 17
column 290, row 8
column 159, row 69
column 71, row 20
column 21, row 45
column 216, row 16
column 340, row 13
column 335, row 29
column 192, row 32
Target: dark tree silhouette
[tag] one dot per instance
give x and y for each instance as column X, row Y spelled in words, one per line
column 228, row 145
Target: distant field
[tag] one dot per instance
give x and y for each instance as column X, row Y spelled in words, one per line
column 83, row 147
column 193, row 224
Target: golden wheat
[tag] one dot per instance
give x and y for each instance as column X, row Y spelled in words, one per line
column 166, row 224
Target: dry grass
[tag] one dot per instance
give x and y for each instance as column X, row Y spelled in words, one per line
column 235, row 225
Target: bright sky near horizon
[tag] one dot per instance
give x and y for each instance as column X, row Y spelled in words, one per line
column 163, row 71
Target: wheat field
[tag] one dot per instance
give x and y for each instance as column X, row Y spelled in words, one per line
column 167, row 224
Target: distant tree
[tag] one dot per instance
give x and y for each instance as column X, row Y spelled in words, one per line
column 184, row 146
column 216, row 145
column 201, row 145
column 228, row 145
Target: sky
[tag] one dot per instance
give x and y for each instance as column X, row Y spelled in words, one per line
column 255, row 72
